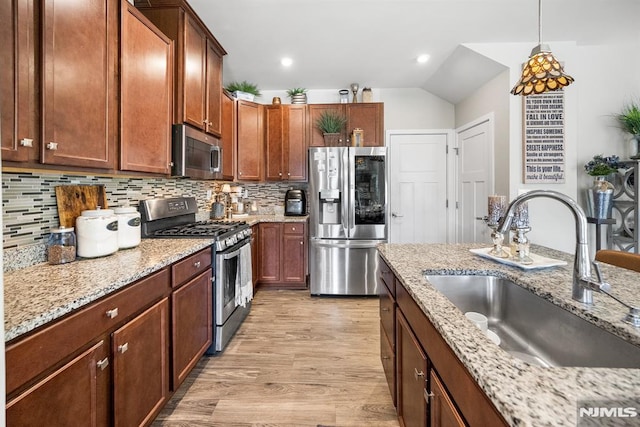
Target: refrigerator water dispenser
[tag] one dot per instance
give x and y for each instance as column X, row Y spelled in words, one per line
column 330, row 207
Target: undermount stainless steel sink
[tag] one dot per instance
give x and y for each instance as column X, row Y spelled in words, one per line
column 533, row 329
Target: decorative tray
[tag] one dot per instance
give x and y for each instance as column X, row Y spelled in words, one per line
column 538, row 261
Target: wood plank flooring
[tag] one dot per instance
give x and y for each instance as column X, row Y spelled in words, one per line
column 296, row 361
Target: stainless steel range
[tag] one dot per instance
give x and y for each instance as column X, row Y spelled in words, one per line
column 176, row 218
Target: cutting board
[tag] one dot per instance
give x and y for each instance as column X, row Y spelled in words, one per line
column 73, row 199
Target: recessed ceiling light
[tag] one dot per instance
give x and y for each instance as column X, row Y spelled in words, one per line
column 286, row 62
column 422, row 59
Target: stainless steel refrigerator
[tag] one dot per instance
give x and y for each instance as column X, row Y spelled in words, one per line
column 348, row 219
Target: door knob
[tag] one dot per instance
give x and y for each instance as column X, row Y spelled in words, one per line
column 395, row 215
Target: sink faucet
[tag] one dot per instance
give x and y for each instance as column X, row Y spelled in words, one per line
column 583, row 283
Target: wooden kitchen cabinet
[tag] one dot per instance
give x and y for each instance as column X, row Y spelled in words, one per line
column 228, row 137
column 198, row 68
column 367, row 116
column 19, row 134
column 141, row 366
column 250, row 141
column 283, row 254
column 76, row 393
column 191, row 314
column 442, row 411
column 146, row 94
column 286, row 143
column 412, row 371
column 388, row 326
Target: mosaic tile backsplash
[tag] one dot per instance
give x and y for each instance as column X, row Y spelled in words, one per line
column 29, row 208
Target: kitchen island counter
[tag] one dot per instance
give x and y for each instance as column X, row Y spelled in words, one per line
column 525, row 395
column 256, row 219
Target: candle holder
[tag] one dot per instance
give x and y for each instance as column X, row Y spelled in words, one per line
column 496, row 209
column 521, row 245
column 354, row 89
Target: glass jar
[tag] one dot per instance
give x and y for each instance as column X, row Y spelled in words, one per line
column 61, row 246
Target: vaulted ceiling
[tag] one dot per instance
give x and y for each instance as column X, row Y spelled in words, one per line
column 376, row 42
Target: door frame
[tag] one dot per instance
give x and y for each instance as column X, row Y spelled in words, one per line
column 451, row 178
column 490, row 119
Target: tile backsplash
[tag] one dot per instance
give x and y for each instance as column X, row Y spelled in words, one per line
column 29, row 208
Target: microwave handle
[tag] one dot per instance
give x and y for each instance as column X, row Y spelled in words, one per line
column 215, row 158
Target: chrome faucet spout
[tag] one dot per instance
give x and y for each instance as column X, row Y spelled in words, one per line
column 582, row 263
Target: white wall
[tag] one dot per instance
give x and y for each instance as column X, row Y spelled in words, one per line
column 403, row 108
column 606, row 77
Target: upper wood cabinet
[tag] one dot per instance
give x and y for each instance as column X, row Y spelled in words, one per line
column 250, row 140
column 18, row 115
column 146, row 75
column 367, row 116
column 228, row 138
column 198, row 67
column 286, row 147
column 79, row 83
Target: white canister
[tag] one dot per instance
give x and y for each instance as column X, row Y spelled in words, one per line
column 128, row 227
column 97, row 233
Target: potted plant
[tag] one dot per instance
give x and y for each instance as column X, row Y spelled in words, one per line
column 298, row 95
column 600, row 195
column 331, row 124
column 629, row 119
column 243, row 90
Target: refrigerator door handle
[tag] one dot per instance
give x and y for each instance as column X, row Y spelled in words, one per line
column 347, row 200
column 350, row 244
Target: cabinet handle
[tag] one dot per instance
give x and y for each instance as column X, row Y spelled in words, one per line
column 52, row 146
column 240, row 173
column 385, row 309
column 302, row 243
column 293, row 228
column 26, row 142
column 112, row 313
column 123, row 348
column 417, row 374
column 385, row 358
column 279, row 173
column 102, row 364
column 288, row 173
column 196, row 264
column 427, row 396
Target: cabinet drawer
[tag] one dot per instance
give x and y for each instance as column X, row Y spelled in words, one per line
column 386, row 276
column 293, row 228
column 388, row 315
column 190, row 267
column 32, row 355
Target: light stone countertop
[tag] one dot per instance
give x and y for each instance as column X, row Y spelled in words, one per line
column 41, row 293
column 524, row 394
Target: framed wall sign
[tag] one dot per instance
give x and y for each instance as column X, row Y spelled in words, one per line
column 543, row 140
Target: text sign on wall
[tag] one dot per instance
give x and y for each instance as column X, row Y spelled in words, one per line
column 544, row 160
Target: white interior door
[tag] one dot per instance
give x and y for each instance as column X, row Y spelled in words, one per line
column 417, row 187
column 475, row 175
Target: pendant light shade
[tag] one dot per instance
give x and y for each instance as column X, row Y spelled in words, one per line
column 542, row 72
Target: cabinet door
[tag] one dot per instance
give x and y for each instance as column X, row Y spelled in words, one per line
column 228, row 137
column 442, row 411
column 315, row 137
column 293, row 255
column 250, row 141
column 17, row 81
column 75, row 394
column 195, row 54
column 275, row 142
column 214, row 89
column 146, row 94
column 411, row 376
column 270, row 257
column 79, row 110
column 140, row 366
column 295, row 153
column 191, row 319
column 370, row 118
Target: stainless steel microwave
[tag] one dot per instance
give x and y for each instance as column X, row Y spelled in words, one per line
column 195, row 154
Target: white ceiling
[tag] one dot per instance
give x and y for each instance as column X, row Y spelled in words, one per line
column 375, row 42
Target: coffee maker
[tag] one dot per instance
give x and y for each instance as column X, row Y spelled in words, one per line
column 295, row 203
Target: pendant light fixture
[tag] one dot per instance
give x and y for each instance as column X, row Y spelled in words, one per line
column 542, row 72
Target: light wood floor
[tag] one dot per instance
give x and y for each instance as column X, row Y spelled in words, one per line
column 296, row 361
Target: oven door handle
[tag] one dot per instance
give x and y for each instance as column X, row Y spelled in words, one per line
column 231, row 254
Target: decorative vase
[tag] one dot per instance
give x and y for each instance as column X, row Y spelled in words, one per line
column 299, row 98
column 600, row 198
column 634, row 147
column 332, row 139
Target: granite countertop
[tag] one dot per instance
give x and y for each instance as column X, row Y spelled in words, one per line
column 525, row 395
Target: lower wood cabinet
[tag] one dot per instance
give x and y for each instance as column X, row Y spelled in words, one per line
column 75, row 394
column 283, row 254
column 141, row 366
column 432, row 386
